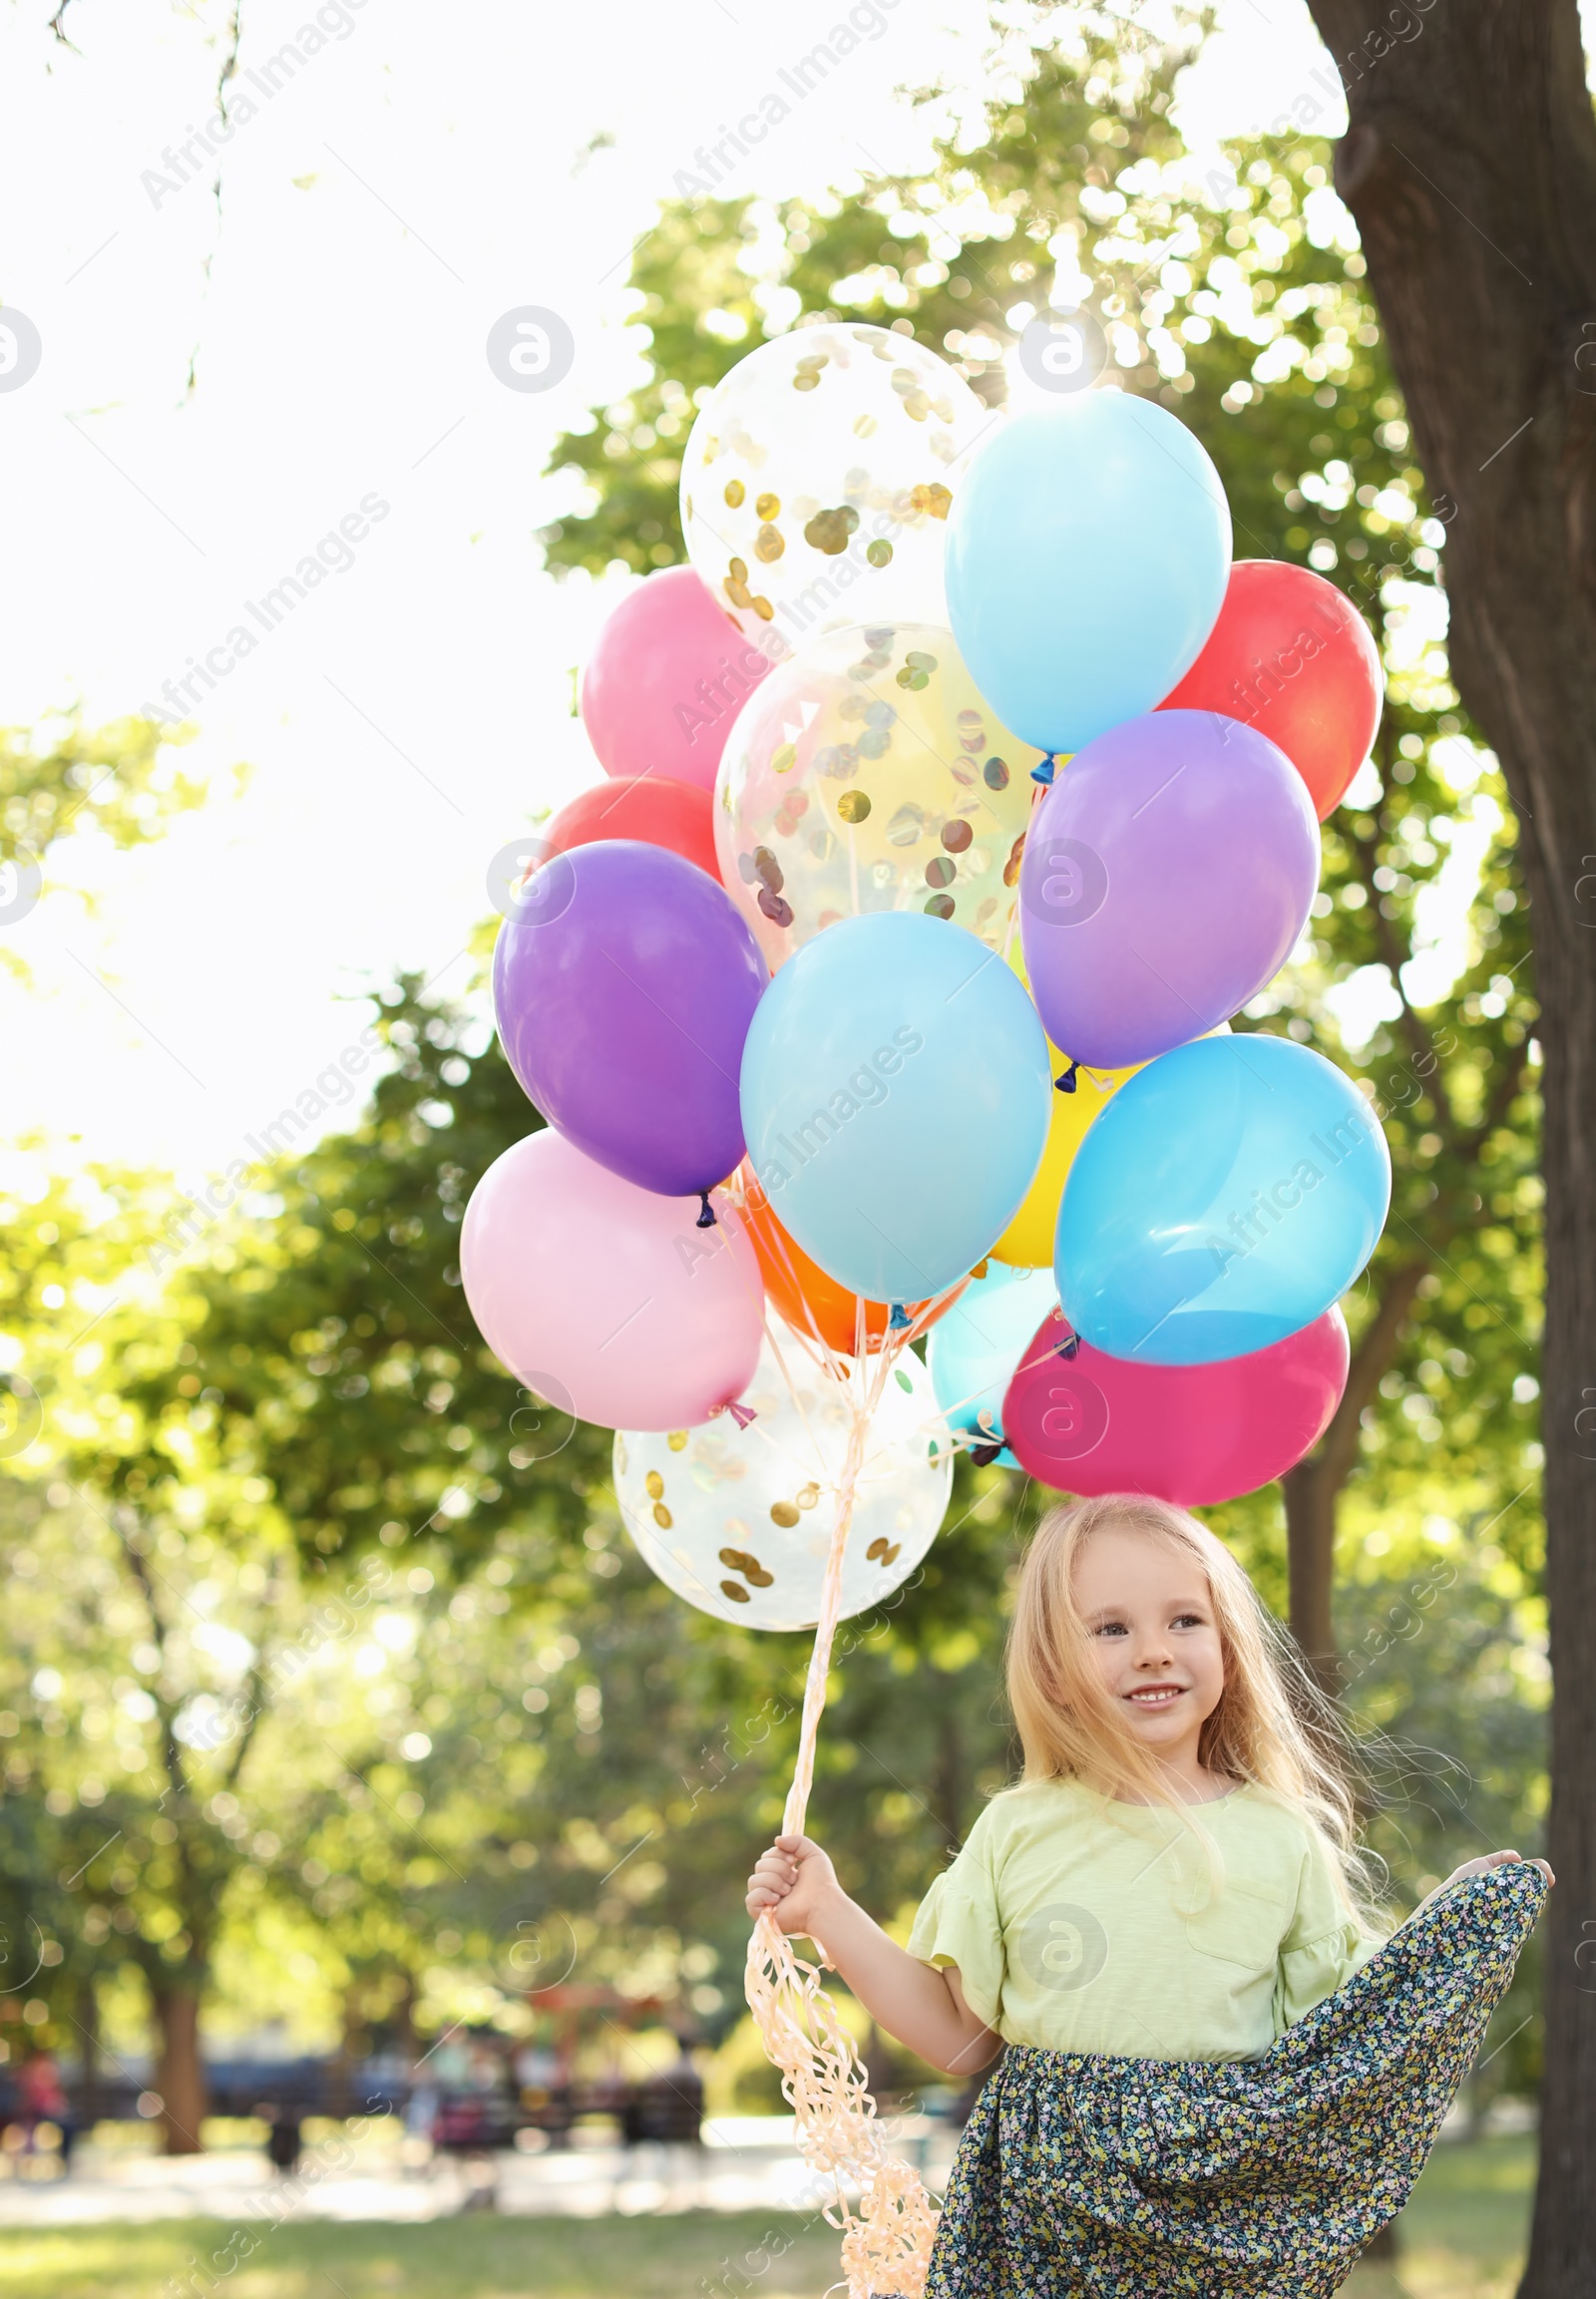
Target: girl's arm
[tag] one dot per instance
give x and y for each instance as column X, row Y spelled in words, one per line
column 923, row 2007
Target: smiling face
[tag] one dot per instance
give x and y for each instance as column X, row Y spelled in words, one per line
column 1150, row 1614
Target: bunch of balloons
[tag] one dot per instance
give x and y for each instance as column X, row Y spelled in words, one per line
column 959, row 793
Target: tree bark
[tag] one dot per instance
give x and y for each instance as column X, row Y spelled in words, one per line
column 179, row 2072
column 1310, row 1555
column 1470, row 165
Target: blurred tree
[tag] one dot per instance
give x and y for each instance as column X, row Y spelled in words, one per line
column 348, row 1372
column 58, row 781
column 136, row 1663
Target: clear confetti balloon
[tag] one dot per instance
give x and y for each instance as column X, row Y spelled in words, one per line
column 866, row 775
column 738, row 1521
column 818, row 477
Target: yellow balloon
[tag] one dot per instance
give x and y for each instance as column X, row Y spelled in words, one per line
column 1027, row 1242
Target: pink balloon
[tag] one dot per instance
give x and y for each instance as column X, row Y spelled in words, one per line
column 1192, row 1434
column 608, row 1299
column 666, row 680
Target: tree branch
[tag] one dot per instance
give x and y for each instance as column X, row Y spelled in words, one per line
column 1502, row 1096
column 1336, row 1453
column 229, row 62
column 265, row 1654
column 170, row 1750
column 1421, row 1045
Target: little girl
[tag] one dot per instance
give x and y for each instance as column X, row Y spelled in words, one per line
column 1218, row 2079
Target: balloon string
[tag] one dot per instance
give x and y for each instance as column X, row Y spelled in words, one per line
column 825, row 1633
column 963, row 1439
column 736, row 1190
column 797, row 1404
column 886, row 2238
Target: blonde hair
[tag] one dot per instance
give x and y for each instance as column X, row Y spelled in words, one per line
column 1272, row 1726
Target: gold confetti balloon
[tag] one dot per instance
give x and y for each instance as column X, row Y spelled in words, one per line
column 738, row 1521
column 818, row 477
column 868, row 774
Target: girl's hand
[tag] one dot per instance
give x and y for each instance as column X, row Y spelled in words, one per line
column 798, row 1884
column 1489, row 1860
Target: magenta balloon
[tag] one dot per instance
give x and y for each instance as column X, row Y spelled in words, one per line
column 668, row 675
column 1167, row 875
column 604, row 1300
column 1192, row 1434
column 625, row 983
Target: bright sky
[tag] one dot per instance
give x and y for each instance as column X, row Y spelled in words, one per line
column 419, row 175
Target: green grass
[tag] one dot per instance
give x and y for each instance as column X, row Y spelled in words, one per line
column 1463, row 2234
column 1463, row 2238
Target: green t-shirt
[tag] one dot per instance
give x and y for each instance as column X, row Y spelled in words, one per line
column 1085, row 1925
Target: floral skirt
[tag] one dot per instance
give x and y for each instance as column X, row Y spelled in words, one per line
column 1105, row 2178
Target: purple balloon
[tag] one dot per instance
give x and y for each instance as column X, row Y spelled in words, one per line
column 624, row 980
column 1168, row 873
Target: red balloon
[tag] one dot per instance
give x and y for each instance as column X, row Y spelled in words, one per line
column 1291, row 656
column 1192, row 1434
column 667, row 676
column 673, row 814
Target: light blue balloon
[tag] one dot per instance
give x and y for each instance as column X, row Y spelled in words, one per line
column 896, row 1097
column 975, row 1350
column 1088, row 551
column 1228, row 1194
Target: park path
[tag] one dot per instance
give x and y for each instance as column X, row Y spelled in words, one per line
column 746, row 2163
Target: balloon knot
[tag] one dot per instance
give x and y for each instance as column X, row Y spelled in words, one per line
column 706, row 1216
column 1069, row 1348
column 743, row 1415
column 1065, row 1084
column 1045, row 772
column 899, row 1320
column 985, row 1455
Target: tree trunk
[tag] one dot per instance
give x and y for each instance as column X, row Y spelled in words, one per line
column 179, row 2072
column 1470, row 167
column 1314, row 1486
column 1311, row 1499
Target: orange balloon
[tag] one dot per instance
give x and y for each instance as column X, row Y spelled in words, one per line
column 809, row 1301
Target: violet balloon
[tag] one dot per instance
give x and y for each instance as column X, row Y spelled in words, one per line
column 1192, row 1434
column 606, row 1301
column 623, row 987
column 1168, row 873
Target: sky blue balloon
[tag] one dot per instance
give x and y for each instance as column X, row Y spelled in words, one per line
column 975, row 1350
column 896, row 1097
column 1088, row 551
column 1227, row 1195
